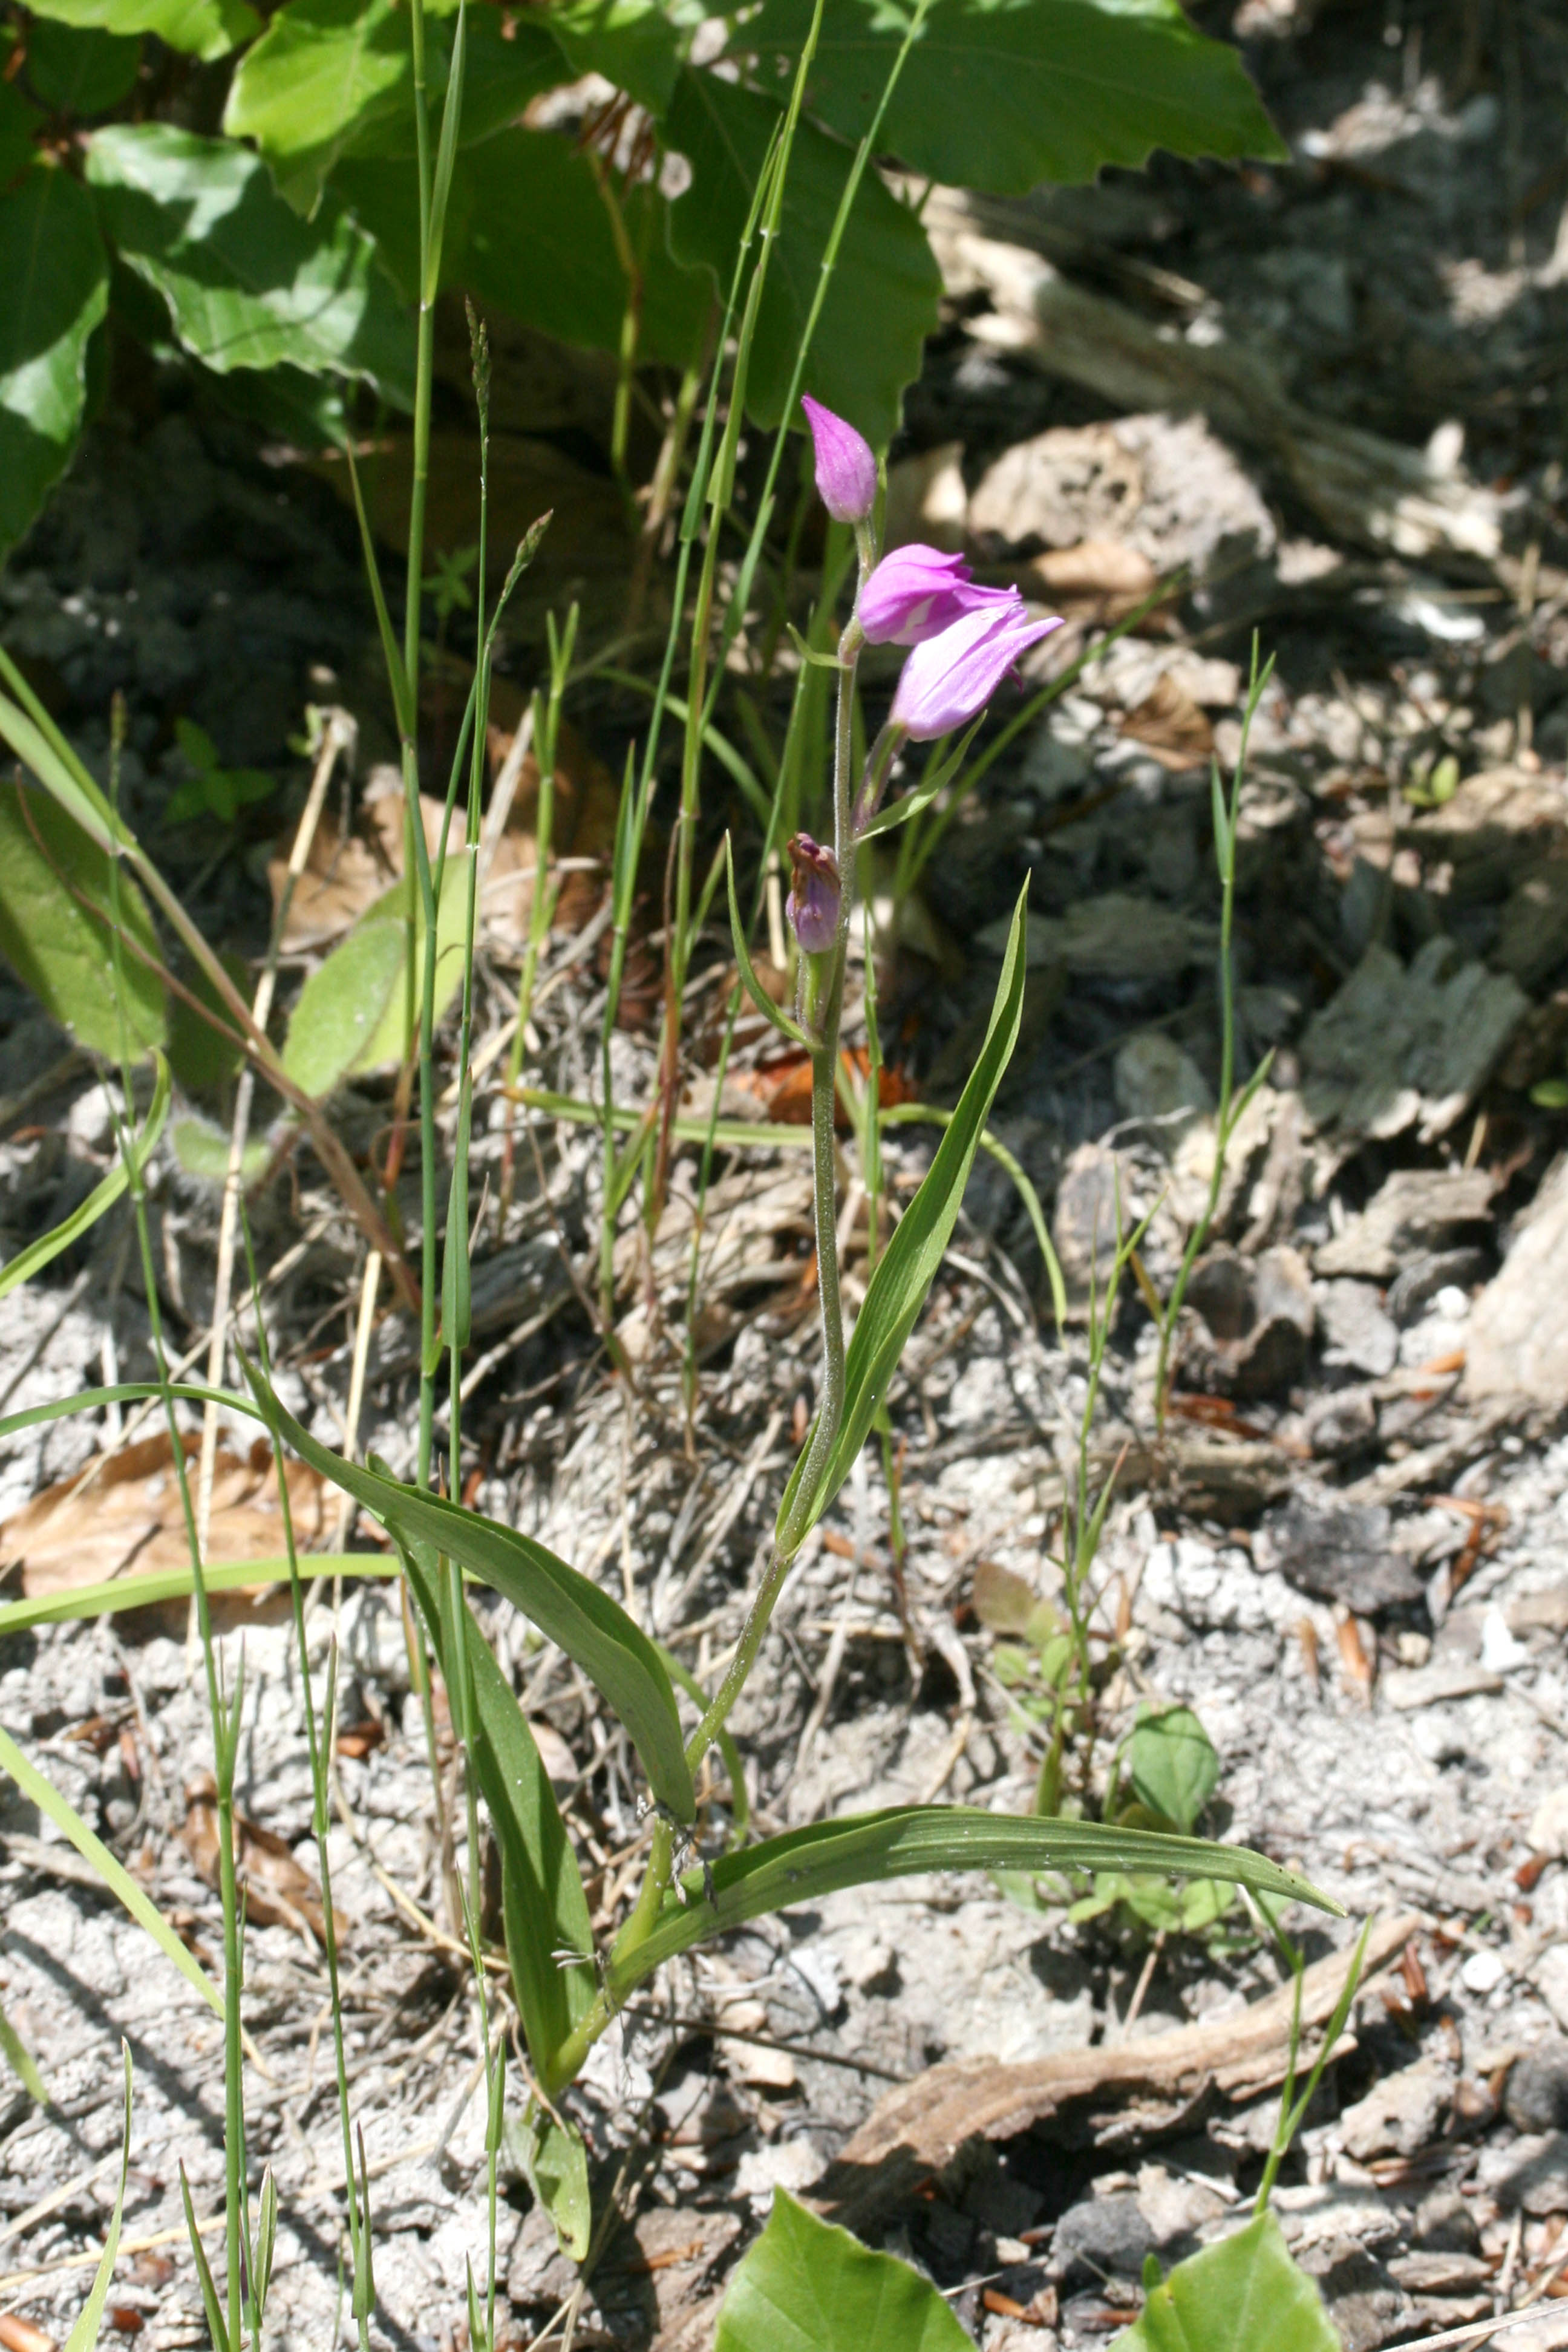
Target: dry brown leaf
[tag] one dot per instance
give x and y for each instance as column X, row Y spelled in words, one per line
column 1097, row 570
column 1172, row 726
column 277, row 1891
column 122, row 1514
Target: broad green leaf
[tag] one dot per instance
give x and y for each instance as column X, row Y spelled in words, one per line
column 908, row 1266
column 21, row 2062
column 809, row 2286
column 1002, row 94
column 329, row 78
column 20, row 123
column 157, row 1585
column 613, row 1652
column 881, row 303
column 633, row 43
column 1170, row 1762
column 202, row 29
column 80, row 70
column 56, row 930
column 545, row 1910
column 553, row 2154
column 100, row 1200
column 84, row 2335
column 803, row 1866
column 354, row 1011
column 56, row 283
column 116, row 1878
column 249, row 284
column 202, row 1152
column 564, row 276
column 1235, row 2297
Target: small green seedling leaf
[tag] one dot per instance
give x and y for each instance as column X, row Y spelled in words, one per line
column 1170, row 1762
column 216, row 2326
column 809, row 2286
column 21, row 2062
column 551, row 2154
column 84, row 2335
column 1240, row 2295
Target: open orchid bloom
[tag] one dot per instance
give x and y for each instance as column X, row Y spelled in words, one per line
column 846, row 467
column 917, row 592
column 815, row 894
column 949, row 679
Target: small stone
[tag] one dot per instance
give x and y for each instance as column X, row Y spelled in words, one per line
column 1444, row 2223
column 1552, row 1982
column 1531, row 2176
column 1483, row 1972
column 1535, row 2098
column 1103, row 2233
column 1340, row 1552
column 1517, row 1341
column 1155, row 1080
column 1400, row 2115
column 1366, row 2304
column 1357, row 1334
column 1548, row 1835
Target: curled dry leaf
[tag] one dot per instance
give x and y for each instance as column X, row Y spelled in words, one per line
column 1170, row 725
column 277, row 1891
column 122, row 1514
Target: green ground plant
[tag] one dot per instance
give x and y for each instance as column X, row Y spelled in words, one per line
column 389, row 158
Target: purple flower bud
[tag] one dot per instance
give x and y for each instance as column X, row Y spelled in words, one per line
column 916, row 593
column 813, row 902
column 948, row 680
column 846, row 468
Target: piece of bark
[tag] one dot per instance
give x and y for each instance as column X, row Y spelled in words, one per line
column 920, row 2128
column 1338, row 1552
column 1400, row 1047
column 1406, row 1214
column 1370, row 491
column 1517, row 1339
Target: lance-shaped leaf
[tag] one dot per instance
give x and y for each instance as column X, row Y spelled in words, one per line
column 998, row 96
column 353, row 1012
column 614, row 1653
column 100, row 1200
column 56, row 283
column 543, row 1903
column 247, row 282
column 56, row 928
column 803, row 1866
column 908, row 1266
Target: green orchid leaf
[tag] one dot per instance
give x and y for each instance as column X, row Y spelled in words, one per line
column 881, row 301
column 550, row 2151
column 56, row 928
column 803, row 1866
column 1236, row 2296
column 908, row 1266
column 1002, row 94
column 56, row 283
column 809, row 2286
column 543, row 1905
column 612, row 1651
column 248, row 283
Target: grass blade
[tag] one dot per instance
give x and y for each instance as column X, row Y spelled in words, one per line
column 84, row 2335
